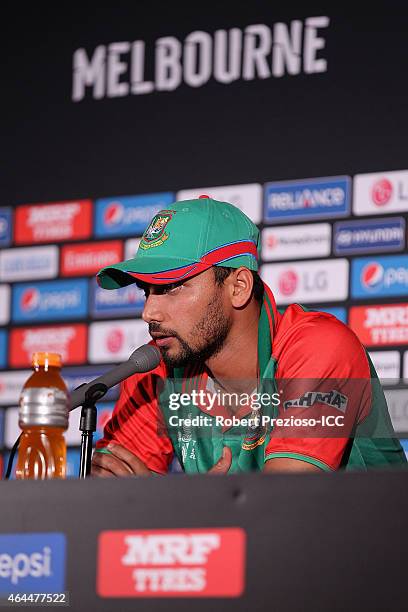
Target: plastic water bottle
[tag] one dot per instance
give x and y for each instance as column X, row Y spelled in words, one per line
column 43, row 418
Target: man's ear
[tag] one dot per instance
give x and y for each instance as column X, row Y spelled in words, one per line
column 240, row 285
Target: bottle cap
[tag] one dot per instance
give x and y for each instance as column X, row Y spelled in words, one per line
column 46, row 359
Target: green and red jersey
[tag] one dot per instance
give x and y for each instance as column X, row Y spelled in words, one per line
column 316, row 365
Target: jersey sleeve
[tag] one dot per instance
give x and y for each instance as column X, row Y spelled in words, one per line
column 323, row 378
column 137, row 423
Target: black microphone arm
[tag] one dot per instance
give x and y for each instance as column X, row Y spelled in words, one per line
column 143, row 359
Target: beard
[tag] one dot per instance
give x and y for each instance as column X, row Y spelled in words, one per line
column 211, row 332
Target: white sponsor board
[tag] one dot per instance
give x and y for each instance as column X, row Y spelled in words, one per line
column 397, row 402
column 73, row 434
column 247, row 198
column 323, row 280
column 115, row 341
column 131, row 247
column 380, row 193
column 405, row 370
column 4, row 304
column 11, row 384
column 387, row 365
column 11, row 427
column 29, row 263
column 296, row 241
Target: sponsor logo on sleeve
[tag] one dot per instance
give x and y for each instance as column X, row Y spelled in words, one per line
column 380, row 276
column 351, row 237
column 318, row 198
column 248, row 198
column 5, row 226
column 171, row 563
column 53, row 222
column 312, row 281
column 114, row 341
column 387, row 366
column 29, row 263
column 32, row 563
column 128, row 215
column 3, row 348
column 380, row 325
column 333, row 399
column 4, row 304
column 62, row 299
column 87, row 259
column 127, row 300
column 380, row 193
column 67, row 340
column 300, row 242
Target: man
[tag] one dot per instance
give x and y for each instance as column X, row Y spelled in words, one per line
column 220, row 335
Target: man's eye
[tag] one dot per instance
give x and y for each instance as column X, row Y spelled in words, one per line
column 173, row 289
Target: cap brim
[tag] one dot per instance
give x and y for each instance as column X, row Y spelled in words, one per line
column 128, row 272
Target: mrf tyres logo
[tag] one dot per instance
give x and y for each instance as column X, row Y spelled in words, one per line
column 171, row 563
column 32, row 563
column 256, row 52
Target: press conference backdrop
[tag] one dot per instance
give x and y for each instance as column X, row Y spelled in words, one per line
column 295, row 114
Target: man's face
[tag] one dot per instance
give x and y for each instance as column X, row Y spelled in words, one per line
column 189, row 321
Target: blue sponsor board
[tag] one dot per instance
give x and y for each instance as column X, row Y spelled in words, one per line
column 73, row 460
column 5, row 226
column 104, row 414
column 50, row 301
column 318, row 198
column 76, row 376
column 351, row 237
column 3, row 348
column 128, row 215
column 379, row 276
column 128, row 300
column 32, row 563
column 339, row 313
column 404, row 444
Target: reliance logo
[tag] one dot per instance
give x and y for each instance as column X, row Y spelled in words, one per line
column 171, row 563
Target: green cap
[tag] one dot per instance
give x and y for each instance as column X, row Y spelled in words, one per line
column 185, row 239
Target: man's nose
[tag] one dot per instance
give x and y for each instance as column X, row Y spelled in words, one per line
column 152, row 310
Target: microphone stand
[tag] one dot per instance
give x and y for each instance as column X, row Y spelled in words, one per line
column 88, row 425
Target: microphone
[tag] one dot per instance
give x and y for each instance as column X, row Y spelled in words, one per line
column 143, row 359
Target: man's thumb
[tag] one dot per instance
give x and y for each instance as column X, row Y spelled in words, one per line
column 224, row 463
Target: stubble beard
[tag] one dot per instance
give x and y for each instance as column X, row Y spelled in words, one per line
column 211, row 332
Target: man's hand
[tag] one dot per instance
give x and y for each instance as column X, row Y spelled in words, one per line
column 118, row 462
column 121, row 462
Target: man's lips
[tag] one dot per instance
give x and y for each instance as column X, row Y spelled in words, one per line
column 161, row 340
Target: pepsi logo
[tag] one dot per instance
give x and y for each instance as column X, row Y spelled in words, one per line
column 113, row 213
column 372, row 275
column 30, row 299
column 115, row 340
column 381, row 192
column 288, row 282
